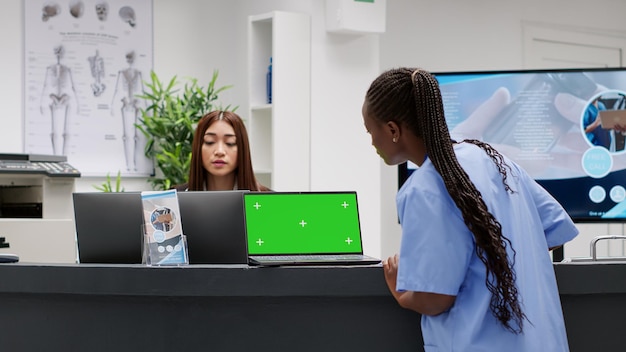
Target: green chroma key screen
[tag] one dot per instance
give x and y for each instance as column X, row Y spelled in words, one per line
column 302, row 223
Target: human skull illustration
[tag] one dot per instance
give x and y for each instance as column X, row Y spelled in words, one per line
column 50, row 10
column 127, row 14
column 102, row 11
column 130, row 56
column 59, row 50
column 77, row 8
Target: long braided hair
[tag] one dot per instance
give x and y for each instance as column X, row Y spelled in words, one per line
column 411, row 97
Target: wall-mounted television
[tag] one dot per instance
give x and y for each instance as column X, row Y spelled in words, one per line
column 565, row 127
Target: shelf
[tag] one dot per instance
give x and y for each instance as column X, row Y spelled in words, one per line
column 280, row 131
column 263, row 107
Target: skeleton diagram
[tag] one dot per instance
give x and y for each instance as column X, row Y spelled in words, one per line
column 58, row 91
column 96, row 64
column 129, row 84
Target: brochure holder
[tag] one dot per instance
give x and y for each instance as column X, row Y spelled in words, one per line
column 163, row 240
column 152, row 255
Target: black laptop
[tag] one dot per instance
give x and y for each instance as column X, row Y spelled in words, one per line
column 214, row 225
column 108, row 227
column 304, row 228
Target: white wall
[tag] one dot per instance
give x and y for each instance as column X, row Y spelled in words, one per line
column 11, row 24
column 342, row 157
column 457, row 35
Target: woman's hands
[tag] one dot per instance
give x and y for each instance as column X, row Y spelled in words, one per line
column 422, row 302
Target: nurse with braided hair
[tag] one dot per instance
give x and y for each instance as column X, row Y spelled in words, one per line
column 476, row 228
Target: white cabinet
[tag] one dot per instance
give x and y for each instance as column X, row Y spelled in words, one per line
column 280, row 131
column 37, row 216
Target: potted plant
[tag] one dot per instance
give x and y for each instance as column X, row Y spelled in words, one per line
column 169, row 123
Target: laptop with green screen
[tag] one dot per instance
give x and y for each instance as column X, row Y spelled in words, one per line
column 304, row 228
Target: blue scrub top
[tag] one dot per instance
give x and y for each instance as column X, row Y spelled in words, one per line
column 438, row 255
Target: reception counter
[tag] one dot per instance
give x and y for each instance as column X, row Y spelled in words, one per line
column 237, row 308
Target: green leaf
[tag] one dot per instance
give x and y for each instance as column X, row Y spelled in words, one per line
column 169, row 120
column 107, row 186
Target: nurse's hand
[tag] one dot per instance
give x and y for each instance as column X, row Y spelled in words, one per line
column 390, row 268
column 422, row 302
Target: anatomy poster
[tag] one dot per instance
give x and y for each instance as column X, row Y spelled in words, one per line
column 85, row 63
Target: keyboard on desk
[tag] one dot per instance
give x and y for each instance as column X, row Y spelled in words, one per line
column 313, row 259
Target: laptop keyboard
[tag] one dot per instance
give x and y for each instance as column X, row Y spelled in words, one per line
column 312, row 257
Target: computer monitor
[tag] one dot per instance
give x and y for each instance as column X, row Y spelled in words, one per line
column 541, row 119
column 214, row 225
column 109, row 227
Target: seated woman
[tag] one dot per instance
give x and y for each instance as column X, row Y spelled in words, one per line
column 220, row 158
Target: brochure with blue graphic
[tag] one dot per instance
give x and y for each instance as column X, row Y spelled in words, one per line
column 164, row 242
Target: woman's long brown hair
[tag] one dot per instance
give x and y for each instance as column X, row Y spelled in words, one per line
column 411, row 97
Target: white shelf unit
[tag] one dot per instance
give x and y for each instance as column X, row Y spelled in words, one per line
column 280, row 132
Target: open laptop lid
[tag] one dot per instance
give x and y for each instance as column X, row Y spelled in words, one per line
column 280, row 223
column 108, row 227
